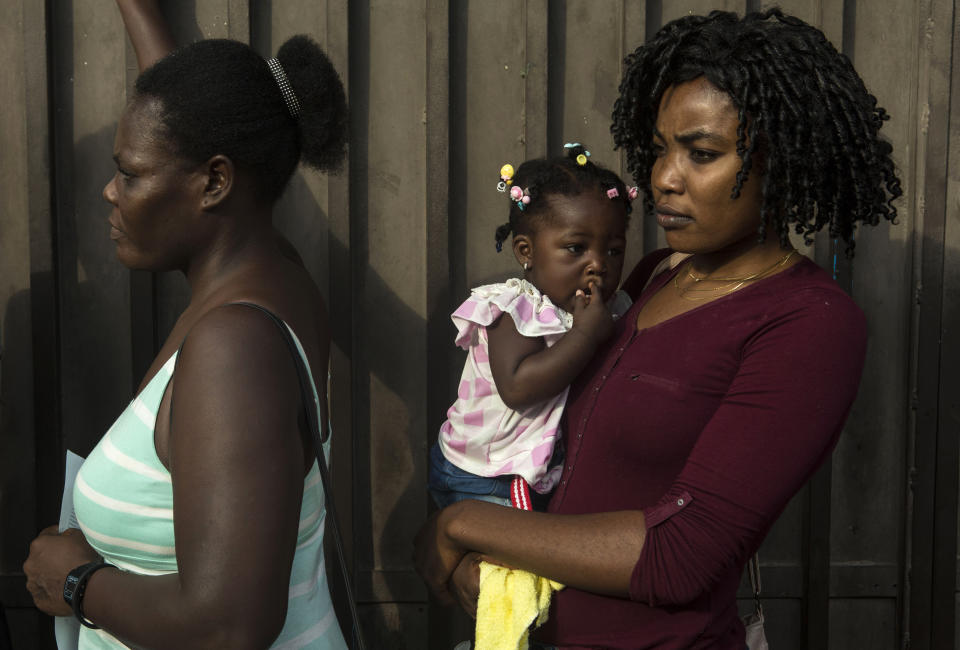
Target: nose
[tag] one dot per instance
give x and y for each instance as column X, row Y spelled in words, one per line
column 110, row 191
column 665, row 176
column 597, row 265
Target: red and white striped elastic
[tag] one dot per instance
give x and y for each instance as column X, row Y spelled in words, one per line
column 520, row 493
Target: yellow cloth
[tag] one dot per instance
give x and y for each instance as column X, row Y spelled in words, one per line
column 510, row 600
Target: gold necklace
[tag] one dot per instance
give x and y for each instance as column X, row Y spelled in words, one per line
column 732, row 283
column 706, row 278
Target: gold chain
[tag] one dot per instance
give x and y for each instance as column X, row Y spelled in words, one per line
column 732, row 283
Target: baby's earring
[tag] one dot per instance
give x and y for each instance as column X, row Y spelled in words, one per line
column 526, row 266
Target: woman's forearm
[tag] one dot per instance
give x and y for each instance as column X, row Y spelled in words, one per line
column 157, row 612
column 592, row 552
column 148, row 31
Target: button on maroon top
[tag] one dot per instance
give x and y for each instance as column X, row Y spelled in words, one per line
column 709, row 423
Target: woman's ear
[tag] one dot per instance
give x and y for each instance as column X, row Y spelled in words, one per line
column 523, row 249
column 219, row 176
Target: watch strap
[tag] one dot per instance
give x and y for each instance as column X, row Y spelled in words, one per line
column 76, row 585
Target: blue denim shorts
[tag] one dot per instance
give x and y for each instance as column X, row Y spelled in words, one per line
column 449, row 484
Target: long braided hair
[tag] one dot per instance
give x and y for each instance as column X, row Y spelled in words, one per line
column 800, row 104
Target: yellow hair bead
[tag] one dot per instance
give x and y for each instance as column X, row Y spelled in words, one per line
column 581, row 160
column 506, row 172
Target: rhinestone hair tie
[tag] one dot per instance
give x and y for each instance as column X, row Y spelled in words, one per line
column 289, row 97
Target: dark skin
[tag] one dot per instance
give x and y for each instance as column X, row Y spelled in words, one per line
column 696, row 142
column 692, row 182
column 147, row 29
column 575, row 256
column 232, row 441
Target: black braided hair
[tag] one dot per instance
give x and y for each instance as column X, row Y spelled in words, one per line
column 800, row 102
column 563, row 175
column 219, row 97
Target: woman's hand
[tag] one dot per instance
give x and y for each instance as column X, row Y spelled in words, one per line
column 465, row 582
column 436, row 555
column 52, row 556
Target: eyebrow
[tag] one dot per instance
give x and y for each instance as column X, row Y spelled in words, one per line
column 569, row 234
column 693, row 136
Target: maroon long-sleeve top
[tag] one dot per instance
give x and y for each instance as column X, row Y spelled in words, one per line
column 709, row 423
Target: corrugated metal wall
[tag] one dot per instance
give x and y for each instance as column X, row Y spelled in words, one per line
column 442, row 93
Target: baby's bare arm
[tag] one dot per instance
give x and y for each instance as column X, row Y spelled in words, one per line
column 526, row 371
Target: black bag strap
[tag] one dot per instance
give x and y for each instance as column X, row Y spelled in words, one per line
column 307, row 398
column 753, row 568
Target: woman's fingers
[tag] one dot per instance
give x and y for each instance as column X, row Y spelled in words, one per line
column 465, row 582
column 436, row 557
column 52, row 556
column 425, row 552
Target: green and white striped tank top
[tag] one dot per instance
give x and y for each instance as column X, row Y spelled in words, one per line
column 123, row 499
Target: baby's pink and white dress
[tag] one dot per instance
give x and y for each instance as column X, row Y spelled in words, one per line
column 482, row 435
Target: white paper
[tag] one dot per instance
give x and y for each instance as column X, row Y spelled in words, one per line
column 67, row 628
column 68, row 518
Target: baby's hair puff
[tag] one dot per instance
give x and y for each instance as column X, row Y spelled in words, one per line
column 540, row 178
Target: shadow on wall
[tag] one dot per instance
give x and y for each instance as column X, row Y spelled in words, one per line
column 84, row 376
column 388, row 422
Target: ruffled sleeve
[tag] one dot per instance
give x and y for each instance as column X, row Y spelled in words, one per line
column 533, row 313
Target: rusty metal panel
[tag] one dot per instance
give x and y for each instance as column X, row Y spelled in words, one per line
column 589, row 41
column 827, row 15
column 394, row 95
column 929, row 619
column 945, row 73
column 671, row 9
column 868, row 472
column 863, row 623
column 27, row 492
column 88, row 93
column 17, row 503
column 498, row 98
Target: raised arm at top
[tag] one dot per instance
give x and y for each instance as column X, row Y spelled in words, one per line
column 148, row 30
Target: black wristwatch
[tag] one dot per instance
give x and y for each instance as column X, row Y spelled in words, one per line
column 76, row 584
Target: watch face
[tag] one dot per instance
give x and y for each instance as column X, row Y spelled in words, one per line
column 70, row 585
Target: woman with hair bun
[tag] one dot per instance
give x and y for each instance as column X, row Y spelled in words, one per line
column 727, row 384
column 201, row 512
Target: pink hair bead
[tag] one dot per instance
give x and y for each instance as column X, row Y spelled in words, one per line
column 525, row 199
column 633, row 192
column 516, row 193
column 612, row 193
